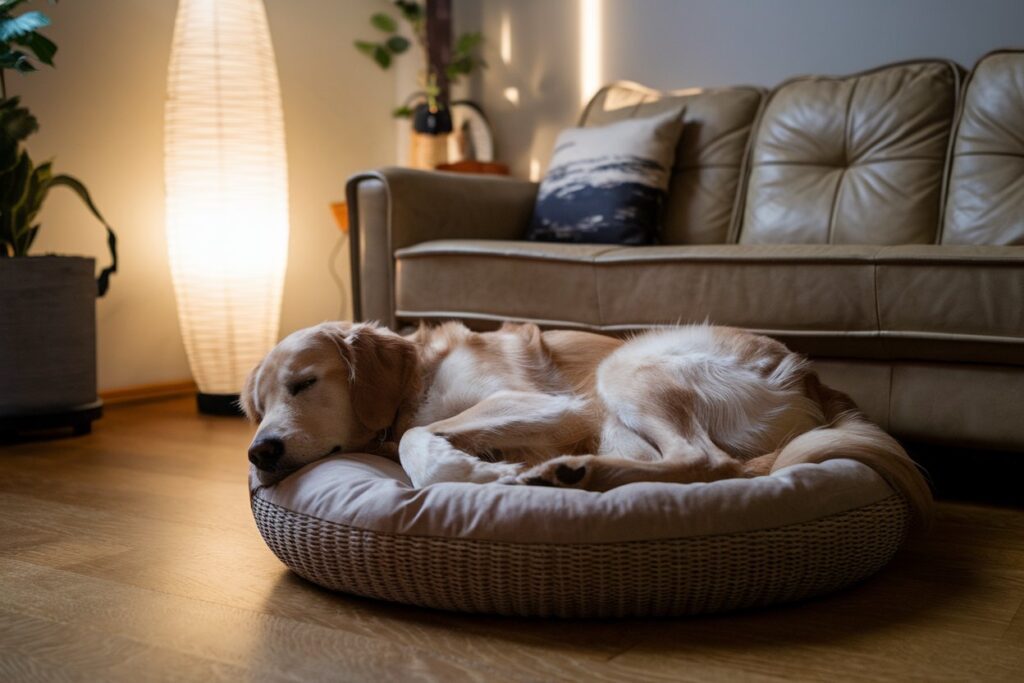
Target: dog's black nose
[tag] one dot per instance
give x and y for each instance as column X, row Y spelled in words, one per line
column 265, row 452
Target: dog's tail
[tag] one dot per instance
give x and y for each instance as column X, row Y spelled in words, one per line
column 848, row 434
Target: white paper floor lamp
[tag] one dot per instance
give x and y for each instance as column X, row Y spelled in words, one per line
column 227, row 191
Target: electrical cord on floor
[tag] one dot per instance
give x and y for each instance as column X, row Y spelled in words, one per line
column 342, row 289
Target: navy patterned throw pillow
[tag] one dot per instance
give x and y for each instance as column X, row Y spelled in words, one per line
column 607, row 185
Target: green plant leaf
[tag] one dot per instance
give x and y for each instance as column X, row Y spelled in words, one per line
column 16, row 60
column 402, row 112
column 30, row 237
column 397, row 44
column 467, row 42
column 411, row 11
column 12, row 27
column 13, row 182
column 13, row 187
column 376, row 51
column 16, row 122
column 366, row 48
column 76, row 186
column 8, row 158
column 459, row 67
column 27, row 208
column 43, row 48
column 15, row 126
column 382, row 56
column 384, row 22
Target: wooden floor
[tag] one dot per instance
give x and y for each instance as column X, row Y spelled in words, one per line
column 130, row 555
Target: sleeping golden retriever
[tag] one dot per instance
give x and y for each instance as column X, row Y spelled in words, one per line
column 693, row 403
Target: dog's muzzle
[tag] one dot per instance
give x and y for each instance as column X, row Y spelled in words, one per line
column 266, row 452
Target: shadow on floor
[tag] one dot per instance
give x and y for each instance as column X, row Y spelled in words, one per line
column 971, row 475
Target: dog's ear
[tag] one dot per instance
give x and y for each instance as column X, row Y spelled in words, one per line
column 382, row 373
column 247, row 399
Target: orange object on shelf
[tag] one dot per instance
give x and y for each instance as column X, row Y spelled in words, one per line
column 340, row 211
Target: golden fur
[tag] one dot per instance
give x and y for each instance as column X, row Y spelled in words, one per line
column 559, row 408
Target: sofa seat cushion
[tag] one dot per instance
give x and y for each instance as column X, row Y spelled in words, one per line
column 921, row 302
column 806, row 287
column 820, row 288
column 546, row 282
column 953, row 293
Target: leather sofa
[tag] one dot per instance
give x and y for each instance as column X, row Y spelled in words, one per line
column 873, row 221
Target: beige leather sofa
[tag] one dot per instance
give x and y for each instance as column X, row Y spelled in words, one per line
column 874, row 222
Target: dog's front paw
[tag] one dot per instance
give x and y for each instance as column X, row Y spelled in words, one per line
column 567, row 471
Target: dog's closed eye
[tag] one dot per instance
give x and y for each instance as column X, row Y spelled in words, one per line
column 298, row 387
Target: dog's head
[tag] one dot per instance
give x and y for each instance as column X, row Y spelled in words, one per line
column 326, row 389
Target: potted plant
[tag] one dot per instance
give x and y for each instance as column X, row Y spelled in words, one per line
column 429, row 24
column 48, row 317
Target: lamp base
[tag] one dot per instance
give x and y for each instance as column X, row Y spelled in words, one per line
column 219, row 404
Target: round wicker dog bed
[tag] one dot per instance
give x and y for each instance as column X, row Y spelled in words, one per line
column 354, row 523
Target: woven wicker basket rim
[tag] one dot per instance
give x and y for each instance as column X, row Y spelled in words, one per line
column 475, row 541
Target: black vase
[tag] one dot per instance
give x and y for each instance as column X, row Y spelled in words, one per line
column 436, row 122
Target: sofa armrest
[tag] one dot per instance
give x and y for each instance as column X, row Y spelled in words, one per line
column 392, row 208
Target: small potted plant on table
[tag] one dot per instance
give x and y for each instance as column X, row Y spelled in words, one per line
column 429, row 23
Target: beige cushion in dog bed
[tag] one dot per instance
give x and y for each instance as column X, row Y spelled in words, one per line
column 354, row 523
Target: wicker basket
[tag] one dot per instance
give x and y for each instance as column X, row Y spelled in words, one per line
column 682, row 574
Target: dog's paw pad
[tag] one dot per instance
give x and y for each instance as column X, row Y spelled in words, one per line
column 570, row 475
column 563, row 473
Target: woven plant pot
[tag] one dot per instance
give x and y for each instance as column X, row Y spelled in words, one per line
column 47, row 336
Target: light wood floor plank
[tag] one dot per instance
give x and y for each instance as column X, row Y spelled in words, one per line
column 44, row 650
column 238, row 640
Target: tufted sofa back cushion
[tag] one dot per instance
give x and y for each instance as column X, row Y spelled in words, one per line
column 705, row 178
column 853, row 160
column 986, row 184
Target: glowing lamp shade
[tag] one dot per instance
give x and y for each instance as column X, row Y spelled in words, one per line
column 227, row 190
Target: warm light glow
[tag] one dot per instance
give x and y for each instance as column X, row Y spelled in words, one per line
column 227, row 188
column 590, row 48
column 534, row 170
column 505, row 37
column 512, row 95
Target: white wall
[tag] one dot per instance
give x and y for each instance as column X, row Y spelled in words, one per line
column 543, row 71
column 683, row 43
column 101, row 117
